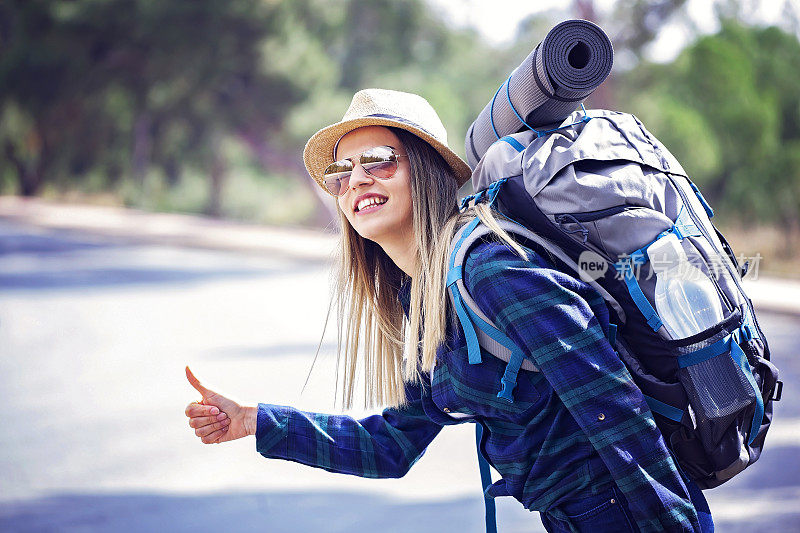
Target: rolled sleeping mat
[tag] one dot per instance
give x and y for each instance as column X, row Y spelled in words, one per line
column 557, row 76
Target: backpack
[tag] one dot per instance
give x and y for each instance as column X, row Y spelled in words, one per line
column 593, row 194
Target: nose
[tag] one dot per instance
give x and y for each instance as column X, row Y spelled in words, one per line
column 359, row 177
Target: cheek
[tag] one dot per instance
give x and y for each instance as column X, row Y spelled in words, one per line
column 342, row 205
column 407, row 201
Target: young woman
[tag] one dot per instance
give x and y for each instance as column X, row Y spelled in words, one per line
column 578, row 444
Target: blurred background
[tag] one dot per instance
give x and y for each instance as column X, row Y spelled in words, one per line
column 154, row 208
column 205, row 106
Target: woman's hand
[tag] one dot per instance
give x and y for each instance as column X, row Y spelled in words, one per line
column 216, row 418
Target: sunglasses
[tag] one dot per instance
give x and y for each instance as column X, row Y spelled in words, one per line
column 379, row 162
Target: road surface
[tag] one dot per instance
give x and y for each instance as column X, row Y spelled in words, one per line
column 94, row 335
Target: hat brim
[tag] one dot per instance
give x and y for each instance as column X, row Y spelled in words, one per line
column 318, row 152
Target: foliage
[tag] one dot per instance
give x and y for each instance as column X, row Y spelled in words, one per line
column 177, row 105
column 729, row 108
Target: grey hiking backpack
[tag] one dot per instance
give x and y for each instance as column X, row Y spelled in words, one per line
column 593, row 194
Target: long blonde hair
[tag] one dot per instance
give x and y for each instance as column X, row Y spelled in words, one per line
column 372, row 326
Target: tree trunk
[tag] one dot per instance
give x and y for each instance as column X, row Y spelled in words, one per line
column 217, row 178
column 791, row 232
column 28, row 179
column 173, row 171
column 142, row 148
column 293, row 165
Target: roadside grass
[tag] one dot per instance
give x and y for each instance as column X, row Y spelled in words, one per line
column 246, row 196
column 252, row 196
column 779, row 251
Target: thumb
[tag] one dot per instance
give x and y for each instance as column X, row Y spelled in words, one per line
column 196, row 384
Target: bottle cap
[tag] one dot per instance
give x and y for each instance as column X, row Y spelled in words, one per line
column 667, row 249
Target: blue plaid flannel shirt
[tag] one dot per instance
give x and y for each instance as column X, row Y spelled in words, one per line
column 575, row 427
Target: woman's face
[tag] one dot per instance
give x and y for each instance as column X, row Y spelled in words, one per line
column 391, row 220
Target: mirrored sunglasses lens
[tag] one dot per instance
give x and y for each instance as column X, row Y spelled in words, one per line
column 337, row 175
column 380, row 162
column 337, row 183
column 381, row 169
column 337, row 167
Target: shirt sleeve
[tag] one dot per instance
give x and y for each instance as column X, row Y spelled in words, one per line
column 384, row 445
column 543, row 312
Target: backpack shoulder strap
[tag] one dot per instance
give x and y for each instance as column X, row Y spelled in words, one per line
column 479, row 330
column 487, row 335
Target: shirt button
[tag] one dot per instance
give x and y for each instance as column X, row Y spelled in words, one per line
column 446, row 409
column 601, row 417
column 613, row 500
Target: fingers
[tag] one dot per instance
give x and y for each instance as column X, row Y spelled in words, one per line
column 195, row 409
column 196, row 384
column 200, row 421
column 212, row 437
column 212, row 428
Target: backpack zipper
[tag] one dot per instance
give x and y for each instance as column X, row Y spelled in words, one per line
column 589, row 216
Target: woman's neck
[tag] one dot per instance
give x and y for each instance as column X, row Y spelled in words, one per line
column 402, row 251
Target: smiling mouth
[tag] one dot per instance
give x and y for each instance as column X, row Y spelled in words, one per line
column 370, row 204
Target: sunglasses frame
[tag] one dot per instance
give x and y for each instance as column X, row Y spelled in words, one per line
column 353, row 163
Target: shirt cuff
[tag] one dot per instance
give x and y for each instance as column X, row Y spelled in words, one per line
column 272, row 430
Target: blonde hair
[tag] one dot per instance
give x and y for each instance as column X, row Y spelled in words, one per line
column 372, row 326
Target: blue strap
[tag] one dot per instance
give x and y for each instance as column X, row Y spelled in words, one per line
column 679, row 230
column 685, row 231
column 740, row 359
column 706, row 205
column 729, row 344
column 509, row 379
column 640, row 257
column 514, row 143
column 673, row 413
column 704, row 354
column 473, row 347
column 508, row 96
column 491, row 111
column 453, row 275
column 486, row 481
column 490, row 193
column 612, row 334
column 469, row 229
column 494, row 190
column 625, row 267
column 585, row 118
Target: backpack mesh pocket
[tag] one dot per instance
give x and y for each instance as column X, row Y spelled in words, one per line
column 718, row 391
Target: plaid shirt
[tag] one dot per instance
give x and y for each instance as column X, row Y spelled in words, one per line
column 574, row 427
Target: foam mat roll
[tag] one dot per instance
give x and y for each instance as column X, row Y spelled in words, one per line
column 574, row 58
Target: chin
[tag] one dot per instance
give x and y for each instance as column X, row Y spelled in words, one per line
column 370, row 233
column 374, row 230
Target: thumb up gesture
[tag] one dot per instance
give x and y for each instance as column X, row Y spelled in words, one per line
column 216, row 418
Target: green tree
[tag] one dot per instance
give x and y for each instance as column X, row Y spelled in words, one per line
column 729, row 108
column 155, row 84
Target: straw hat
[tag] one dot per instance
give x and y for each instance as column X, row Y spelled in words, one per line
column 382, row 107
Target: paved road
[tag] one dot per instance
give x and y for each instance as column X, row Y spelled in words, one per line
column 94, row 334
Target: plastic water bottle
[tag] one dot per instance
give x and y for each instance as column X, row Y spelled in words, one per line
column 686, row 299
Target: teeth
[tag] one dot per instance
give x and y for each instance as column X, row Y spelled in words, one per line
column 367, row 202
